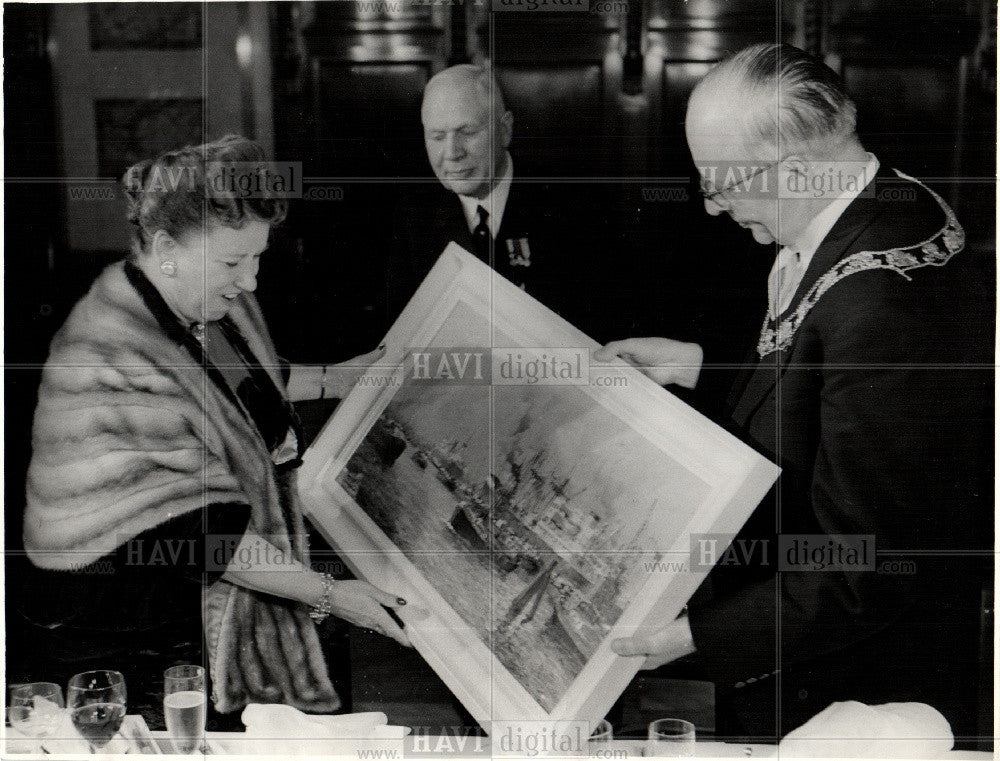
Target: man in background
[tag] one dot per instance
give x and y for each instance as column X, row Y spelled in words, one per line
column 544, row 237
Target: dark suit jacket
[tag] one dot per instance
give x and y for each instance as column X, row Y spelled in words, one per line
column 566, row 227
column 878, row 409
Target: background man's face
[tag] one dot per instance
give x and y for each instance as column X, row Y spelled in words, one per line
column 465, row 143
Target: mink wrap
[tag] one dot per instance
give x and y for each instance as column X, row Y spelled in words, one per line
column 130, row 432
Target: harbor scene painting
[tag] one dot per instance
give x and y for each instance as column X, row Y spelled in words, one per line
column 532, row 509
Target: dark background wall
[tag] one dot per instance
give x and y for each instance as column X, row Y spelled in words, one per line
column 598, row 99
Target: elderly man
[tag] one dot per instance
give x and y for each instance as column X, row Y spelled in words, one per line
column 870, row 387
column 538, row 236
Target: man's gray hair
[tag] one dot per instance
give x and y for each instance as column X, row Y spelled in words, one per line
column 792, row 97
column 479, row 77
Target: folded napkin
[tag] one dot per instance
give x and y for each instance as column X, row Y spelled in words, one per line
column 284, row 729
column 855, row 730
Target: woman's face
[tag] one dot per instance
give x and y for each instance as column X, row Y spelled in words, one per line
column 213, row 268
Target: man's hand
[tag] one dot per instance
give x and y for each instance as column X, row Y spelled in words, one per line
column 659, row 646
column 662, row 359
column 361, row 603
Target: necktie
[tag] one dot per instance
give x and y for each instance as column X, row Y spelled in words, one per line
column 782, row 281
column 481, row 233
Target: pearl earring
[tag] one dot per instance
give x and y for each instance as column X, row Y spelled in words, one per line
column 168, row 268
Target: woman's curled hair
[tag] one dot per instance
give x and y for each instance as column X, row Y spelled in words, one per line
column 228, row 181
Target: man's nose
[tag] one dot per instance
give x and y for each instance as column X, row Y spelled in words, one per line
column 454, row 147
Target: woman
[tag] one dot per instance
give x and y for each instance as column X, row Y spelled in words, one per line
column 164, row 449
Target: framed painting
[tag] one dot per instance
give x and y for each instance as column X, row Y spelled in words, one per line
column 132, row 129
column 145, row 26
column 530, row 506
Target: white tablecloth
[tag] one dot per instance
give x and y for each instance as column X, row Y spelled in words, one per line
column 237, row 744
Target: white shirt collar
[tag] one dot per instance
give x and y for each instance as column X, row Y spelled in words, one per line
column 794, row 259
column 495, row 201
column 820, row 226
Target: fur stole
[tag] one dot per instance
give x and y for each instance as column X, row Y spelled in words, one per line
column 129, row 432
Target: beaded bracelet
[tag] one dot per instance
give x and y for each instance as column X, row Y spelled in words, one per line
column 324, row 608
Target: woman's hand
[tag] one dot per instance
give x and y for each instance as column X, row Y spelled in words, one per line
column 259, row 565
column 361, row 603
column 662, row 359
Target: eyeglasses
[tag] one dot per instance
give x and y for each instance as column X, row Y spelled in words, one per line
column 714, row 195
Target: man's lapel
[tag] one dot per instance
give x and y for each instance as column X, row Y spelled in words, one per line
column 452, row 222
column 855, row 219
column 752, row 387
column 513, row 223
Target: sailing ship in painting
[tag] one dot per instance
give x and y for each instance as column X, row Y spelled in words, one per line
column 526, row 516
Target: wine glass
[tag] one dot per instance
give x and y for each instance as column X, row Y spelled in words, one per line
column 96, row 701
column 184, row 706
column 36, row 710
column 602, row 732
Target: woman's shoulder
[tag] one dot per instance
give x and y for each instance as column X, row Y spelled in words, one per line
column 108, row 320
column 110, row 341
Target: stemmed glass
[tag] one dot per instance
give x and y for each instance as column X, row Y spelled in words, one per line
column 96, row 701
column 36, row 710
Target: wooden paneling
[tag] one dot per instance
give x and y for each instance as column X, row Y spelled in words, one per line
column 908, row 74
column 910, row 113
column 353, row 133
column 352, row 80
column 579, row 116
column 543, row 97
column 134, row 69
column 561, row 75
column 558, row 112
column 368, row 65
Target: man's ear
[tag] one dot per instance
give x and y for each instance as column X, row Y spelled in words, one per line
column 796, row 165
column 506, row 128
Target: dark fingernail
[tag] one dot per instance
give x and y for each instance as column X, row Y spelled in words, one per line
column 400, row 601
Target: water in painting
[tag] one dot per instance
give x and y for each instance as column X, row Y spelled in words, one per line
column 532, row 509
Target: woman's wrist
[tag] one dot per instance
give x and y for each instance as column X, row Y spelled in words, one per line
column 322, row 382
column 322, row 605
column 307, row 383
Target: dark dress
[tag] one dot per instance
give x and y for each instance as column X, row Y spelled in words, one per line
column 138, row 609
